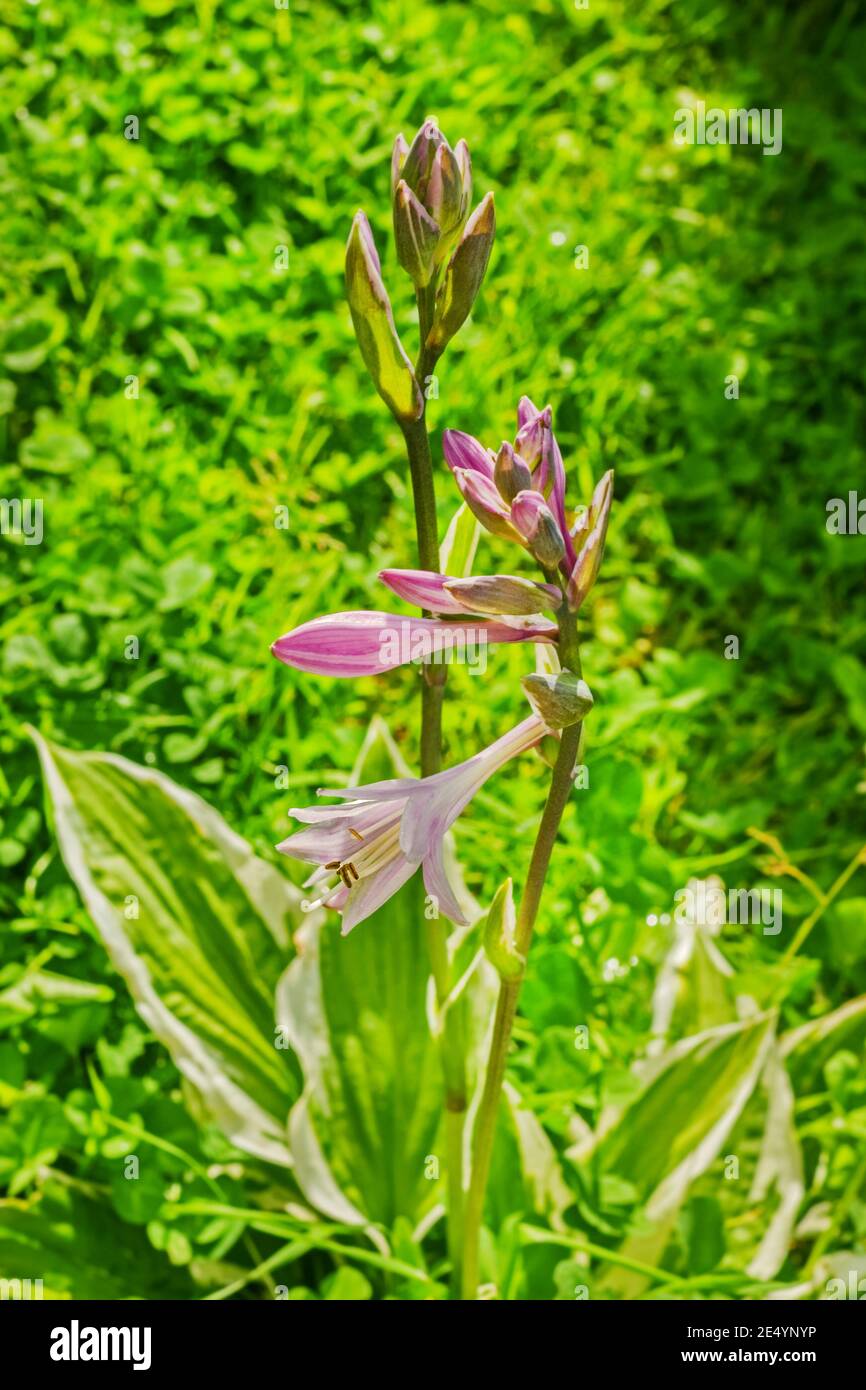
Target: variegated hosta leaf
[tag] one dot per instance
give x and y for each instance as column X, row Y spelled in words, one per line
column 691, row 1098
column 693, row 1094
column 196, row 924
column 780, row 1167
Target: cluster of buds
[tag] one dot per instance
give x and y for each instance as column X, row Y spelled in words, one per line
column 442, row 249
column 518, row 492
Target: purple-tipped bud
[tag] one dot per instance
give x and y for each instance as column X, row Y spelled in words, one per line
column 416, row 235
column 444, row 200
column 464, row 275
column 590, row 534
column 377, row 336
column 537, row 525
column 480, row 495
column 464, row 451
column 420, row 156
column 526, row 409
column 533, row 440
column 511, row 474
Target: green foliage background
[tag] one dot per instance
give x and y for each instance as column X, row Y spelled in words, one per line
column 262, row 128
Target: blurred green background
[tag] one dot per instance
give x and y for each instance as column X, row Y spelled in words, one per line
column 159, row 258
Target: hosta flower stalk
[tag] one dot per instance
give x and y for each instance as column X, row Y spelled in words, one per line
column 376, row 836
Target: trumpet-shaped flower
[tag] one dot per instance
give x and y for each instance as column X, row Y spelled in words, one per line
column 367, row 848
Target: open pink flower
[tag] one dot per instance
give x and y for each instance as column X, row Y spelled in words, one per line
column 370, row 846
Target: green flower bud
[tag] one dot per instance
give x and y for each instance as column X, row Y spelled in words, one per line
column 511, row 474
column 416, row 235
column 559, row 698
column 463, row 275
column 506, row 594
column 498, row 932
column 377, row 336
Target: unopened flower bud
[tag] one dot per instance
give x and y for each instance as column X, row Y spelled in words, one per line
column 548, row 749
column 444, row 200
column 560, row 698
column 498, row 933
column 480, row 495
column 538, row 527
column 505, row 594
column 511, row 474
column 463, row 275
column 416, row 235
column 418, row 161
column 592, row 531
column 373, row 318
column 533, row 437
column 398, row 160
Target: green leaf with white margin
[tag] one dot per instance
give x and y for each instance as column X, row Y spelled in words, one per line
column 780, row 1166
column 693, row 986
column 525, row 1172
column 355, row 1010
column 806, row 1049
column 457, row 551
column 196, row 924
column 692, row 1096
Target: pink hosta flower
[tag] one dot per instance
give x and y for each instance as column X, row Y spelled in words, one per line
column 369, row 643
column 366, row 643
column 370, row 846
column 519, row 493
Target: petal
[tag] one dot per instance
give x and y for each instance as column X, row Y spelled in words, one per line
column 370, row 893
column 526, row 411
column 557, row 501
column 423, row 587
column 438, row 886
column 319, row 844
column 464, row 451
column 441, row 798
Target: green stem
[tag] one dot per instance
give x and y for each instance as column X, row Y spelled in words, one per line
column 432, row 698
column 509, row 990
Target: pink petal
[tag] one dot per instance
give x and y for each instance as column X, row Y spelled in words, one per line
column 437, row 885
column 424, row 588
column 557, row 503
column 462, row 451
column 526, row 410
column 437, row 801
column 370, row 893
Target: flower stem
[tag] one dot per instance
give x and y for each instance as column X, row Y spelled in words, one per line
column 432, row 697
column 509, row 990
